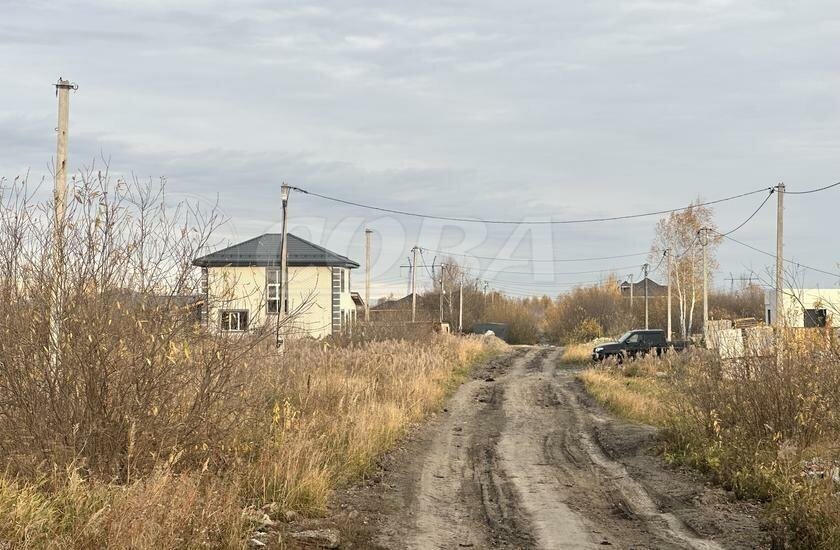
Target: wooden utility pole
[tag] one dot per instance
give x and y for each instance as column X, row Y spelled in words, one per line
column 704, row 241
column 283, row 310
column 645, row 270
column 414, row 284
column 779, row 321
column 62, row 90
column 368, row 233
column 670, row 332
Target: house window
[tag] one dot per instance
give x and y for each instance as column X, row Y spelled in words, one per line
column 343, row 280
column 815, row 318
column 272, row 290
column 234, row 320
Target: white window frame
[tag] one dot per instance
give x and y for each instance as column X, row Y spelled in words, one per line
column 272, row 290
column 229, row 315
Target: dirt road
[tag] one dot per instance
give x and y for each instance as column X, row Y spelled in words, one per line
column 522, row 458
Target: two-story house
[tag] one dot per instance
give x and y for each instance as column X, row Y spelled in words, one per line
column 242, row 287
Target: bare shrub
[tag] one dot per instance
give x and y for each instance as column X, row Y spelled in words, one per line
column 138, row 381
column 737, row 304
column 152, row 432
column 522, row 322
column 754, row 423
column 586, row 313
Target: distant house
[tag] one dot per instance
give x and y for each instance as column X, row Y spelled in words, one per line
column 242, row 287
column 398, row 304
column 359, row 304
column 399, row 309
column 654, row 288
column 804, row 307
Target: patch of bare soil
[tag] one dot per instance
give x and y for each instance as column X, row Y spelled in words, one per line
column 521, row 457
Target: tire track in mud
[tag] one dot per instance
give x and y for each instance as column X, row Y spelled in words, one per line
column 529, row 399
column 518, row 460
column 628, row 495
column 461, row 497
column 499, row 504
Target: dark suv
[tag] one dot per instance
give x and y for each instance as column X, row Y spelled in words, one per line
column 636, row 343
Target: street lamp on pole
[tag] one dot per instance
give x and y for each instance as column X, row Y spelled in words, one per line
column 283, row 310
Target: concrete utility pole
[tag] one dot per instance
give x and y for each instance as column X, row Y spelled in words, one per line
column 414, row 283
column 461, row 304
column 449, row 298
column 485, row 292
column 441, row 292
column 368, row 233
column 645, row 270
column 62, row 90
column 283, row 309
column 670, row 332
column 631, row 293
column 704, row 241
column 779, row 321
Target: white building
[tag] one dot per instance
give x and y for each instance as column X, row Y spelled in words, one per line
column 242, row 287
column 804, row 307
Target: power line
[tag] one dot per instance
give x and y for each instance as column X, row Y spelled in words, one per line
column 743, row 223
column 503, row 272
column 561, row 260
column 540, row 291
column 811, row 190
column 531, row 222
column 773, row 256
column 521, row 294
column 545, row 288
column 661, row 259
column 431, row 273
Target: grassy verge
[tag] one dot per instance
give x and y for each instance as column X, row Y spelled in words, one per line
column 577, row 354
column 638, row 398
column 316, row 419
column 764, row 430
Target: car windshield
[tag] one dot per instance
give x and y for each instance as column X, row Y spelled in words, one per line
column 625, row 336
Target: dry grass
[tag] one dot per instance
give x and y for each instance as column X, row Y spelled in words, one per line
column 334, row 409
column 636, row 398
column 578, row 354
column 764, row 429
column 152, row 432
column 320, row 416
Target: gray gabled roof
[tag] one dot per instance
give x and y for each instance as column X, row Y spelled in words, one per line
column 265, row 251
column 654, row 288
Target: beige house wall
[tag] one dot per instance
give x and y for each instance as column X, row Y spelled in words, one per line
column 796, row 300
column 348, row 307
column 236, row 288
column 310, row 298
column 310, row 302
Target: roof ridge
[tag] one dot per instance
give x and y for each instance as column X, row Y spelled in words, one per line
column 255, row 251
column 231, row 246
column 319, row 247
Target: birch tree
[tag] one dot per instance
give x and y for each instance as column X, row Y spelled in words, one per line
column 679, row 233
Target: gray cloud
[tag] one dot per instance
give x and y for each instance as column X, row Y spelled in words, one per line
column 489, row 109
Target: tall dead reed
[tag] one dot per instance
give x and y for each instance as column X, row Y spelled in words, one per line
column 150, row 431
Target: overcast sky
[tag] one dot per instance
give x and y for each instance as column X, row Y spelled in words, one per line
column 515, row 110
